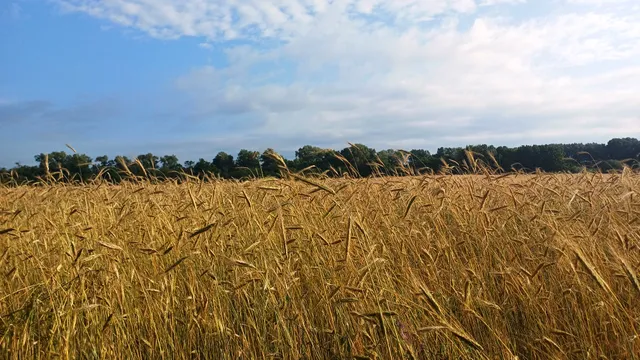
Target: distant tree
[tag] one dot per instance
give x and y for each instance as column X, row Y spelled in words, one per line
column 56, row 160
column 149, row 164
column 552, row 158
column 453, row 157
column 391, row 161
column 308, row 156
column 610, row 165
column 25, row 173
column 596, row 151
column 224, row 163
column 360, row 157
column 79, row 166
column 75, row 166
column 357, row 159
column 483, row 155
column 586, row 154
column 103, row 160
column 42, row 160
column 204, row 167
column 545, row 157
column 122, row 162
column 247, row 163
column 170, row 163
column 623, row 148
column 108, row 168
column 507, row 158
column 269, row 163
column 451, row 153
column 420, row 159
column 149, row 161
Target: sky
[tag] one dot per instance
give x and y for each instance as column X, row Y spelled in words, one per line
column 194, row 77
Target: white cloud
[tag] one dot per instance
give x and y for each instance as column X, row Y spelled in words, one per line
column 247, row 18
column 598, row 2
column 498, row 2
column 407, row 72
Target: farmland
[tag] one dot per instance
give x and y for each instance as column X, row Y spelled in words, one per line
column 426, row 267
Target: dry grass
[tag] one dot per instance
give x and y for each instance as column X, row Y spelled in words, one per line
column 465, row 267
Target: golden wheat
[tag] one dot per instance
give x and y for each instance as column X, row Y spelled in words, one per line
column 457, row 267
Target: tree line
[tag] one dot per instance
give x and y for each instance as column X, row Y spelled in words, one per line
column 355, row 160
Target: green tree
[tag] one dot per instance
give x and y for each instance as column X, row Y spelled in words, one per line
column 545, row 157
column 224, row 163
column 79, row 166
column 392, row 161
column 103, row 161
column 421, row 160
column 111, row 172
column 361, row 160
column 25, row 173
column 360, row 157
column 247, row 163
column 170, row 163
column 483, row 156
column 610, row 165
column 75, row 166
column 623, row 148
column 507, row 158
column 149, row 161
column 308, row 156
column 121, row 162
column 586, row 154
column 56, row 160
column 204, row 167
column 269, row 163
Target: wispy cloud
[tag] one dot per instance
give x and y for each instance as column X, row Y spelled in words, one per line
column 410, row 72
column 19, row 112
column 255, row 18
column 52, row 118
column 12, row 10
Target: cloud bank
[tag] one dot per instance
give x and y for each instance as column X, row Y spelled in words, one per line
column 402, row 73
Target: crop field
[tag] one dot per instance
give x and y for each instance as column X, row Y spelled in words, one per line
column 541, row 266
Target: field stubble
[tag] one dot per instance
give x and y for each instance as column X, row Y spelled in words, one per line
column 432, row 267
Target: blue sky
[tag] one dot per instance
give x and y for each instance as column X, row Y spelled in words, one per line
column 194, row 77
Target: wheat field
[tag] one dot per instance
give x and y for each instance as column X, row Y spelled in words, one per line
column 424, row 267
